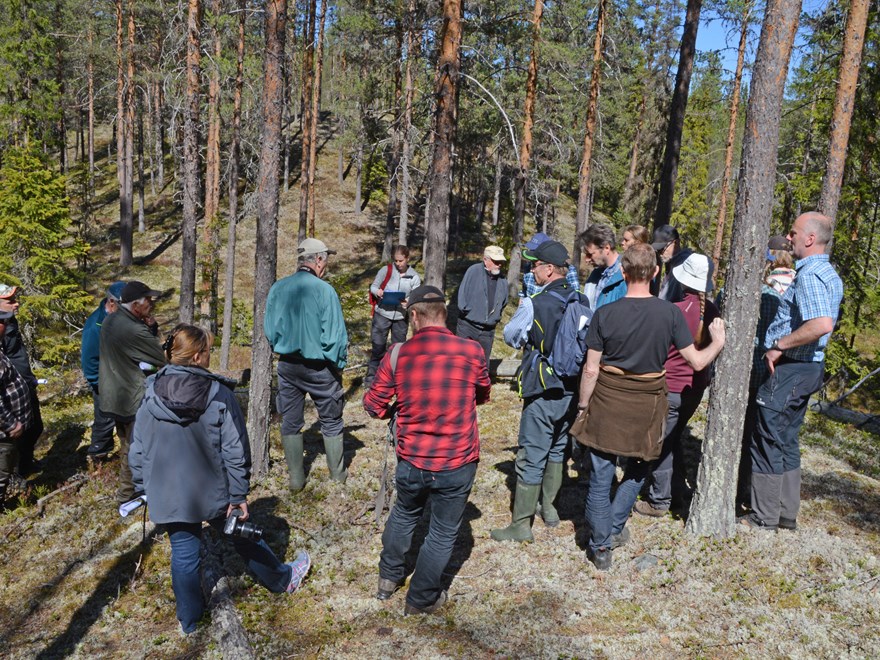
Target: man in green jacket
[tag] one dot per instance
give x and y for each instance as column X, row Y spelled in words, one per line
column 128, row 347
column 304, row 325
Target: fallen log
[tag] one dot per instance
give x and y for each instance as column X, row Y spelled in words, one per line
column 870, row 423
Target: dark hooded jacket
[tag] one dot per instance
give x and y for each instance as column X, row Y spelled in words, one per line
column 189, row 449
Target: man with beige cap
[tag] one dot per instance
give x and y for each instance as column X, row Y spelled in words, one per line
column 482, row 296
column 304, row 325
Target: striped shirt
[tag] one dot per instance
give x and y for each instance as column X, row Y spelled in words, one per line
column 816, row 292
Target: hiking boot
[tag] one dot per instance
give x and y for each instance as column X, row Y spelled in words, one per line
column 787, row 523
column 752, row 521
column 409, row 610
column 618, row 540
column 601, row 558
column 299, row 567
column 520, row 527
column 386, row 588
column 645, row 508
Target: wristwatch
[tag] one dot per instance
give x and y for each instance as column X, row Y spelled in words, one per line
column 776, row 346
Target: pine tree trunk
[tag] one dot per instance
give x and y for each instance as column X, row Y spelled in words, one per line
column 396, row 145
column 125, row 212
column 583, row 216
column 677, row 111
column 358, row 182
column 308, row 78
column 712, row 510
column 90, row 73
column 191, row 164
column 234, row 155
column 211, row 228
column 496, row 193
column 445, row 124
column 525, row 152
column 841, row 119
column 731, row 139
column 315, row 116
column 406, row 129
column 142, row 225
column 267, row 232
column 630, row 185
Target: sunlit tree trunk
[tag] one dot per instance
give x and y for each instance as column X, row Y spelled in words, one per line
column 308, row 78
column 525, row 150
column 583, row 203
column 445, row 122
column 315, row 116
column 841, row 119
column 126, row 219
column 731, row 139
column 396, row 144
column 234, row 156
column 267, row 231
column 712, row 510
column 211, row 231
column 406, row 128
column 191, row 164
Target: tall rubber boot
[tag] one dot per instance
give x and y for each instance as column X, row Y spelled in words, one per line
column 549, row 490
column 524, row 503
column 293, row 454
column 335, row 458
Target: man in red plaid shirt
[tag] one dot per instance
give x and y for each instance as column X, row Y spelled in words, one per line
column 16, row 412
column 438, row 382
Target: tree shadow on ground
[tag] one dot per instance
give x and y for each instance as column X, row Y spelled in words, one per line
column 313, row 445
column 115, row 579
column 853, row 502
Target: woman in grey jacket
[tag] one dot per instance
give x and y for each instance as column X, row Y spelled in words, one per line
column 190, row 455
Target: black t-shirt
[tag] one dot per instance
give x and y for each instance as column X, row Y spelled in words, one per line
column 635, row 333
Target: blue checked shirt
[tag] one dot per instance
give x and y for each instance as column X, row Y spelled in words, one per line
column 530, row 287
column 816, row 292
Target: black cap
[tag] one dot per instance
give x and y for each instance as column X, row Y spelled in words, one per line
column 136, row 290
column 551, row 252
column 425, row 293
column 663, row 236
column 779, row 243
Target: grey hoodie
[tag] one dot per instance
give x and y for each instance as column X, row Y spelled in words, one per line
column 189, row 449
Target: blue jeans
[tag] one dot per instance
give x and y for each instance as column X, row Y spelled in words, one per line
column 448, row 492
column 186, row 541
column 604, row 516
column 682, row 406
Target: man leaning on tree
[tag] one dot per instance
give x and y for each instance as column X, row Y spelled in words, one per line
column 795, row 343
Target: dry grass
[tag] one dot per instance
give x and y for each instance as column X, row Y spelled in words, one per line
column 77, row 582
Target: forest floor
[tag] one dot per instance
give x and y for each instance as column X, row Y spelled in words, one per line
column 76, row 580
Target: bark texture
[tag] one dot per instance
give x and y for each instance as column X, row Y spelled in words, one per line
column 191, row 164
column 583, row 204
column 712, row 510
column 267, row 231
column 841, row 119
column 445, row 122
column 308, row 79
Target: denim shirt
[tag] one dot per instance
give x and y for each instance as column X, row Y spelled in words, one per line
column 816, row 291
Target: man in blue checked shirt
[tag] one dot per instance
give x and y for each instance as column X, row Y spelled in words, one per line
column 530, row 287
column 795, row 357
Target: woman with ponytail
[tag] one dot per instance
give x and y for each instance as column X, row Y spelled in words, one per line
column 190, row 455
column 686, row 386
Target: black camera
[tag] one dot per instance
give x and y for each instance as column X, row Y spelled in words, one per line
column 236, row 527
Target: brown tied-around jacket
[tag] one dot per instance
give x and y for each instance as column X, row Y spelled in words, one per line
column 626, row 416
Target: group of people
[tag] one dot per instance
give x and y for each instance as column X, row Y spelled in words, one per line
column 644, row 322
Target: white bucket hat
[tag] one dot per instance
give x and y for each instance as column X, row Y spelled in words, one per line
column 695, row 273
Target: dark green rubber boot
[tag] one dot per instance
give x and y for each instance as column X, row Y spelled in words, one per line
column 293, row 454
column 524, row 503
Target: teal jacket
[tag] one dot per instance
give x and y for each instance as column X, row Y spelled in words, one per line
column 304, row 319
column 613, row 289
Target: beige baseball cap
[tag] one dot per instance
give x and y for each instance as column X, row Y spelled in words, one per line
column 313, row 246
column 494, row 253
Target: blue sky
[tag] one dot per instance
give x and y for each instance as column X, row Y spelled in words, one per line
column 716, row 35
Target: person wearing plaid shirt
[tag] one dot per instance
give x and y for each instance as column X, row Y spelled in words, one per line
column 438, row 381
column 16, row 413
column 795, row 358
